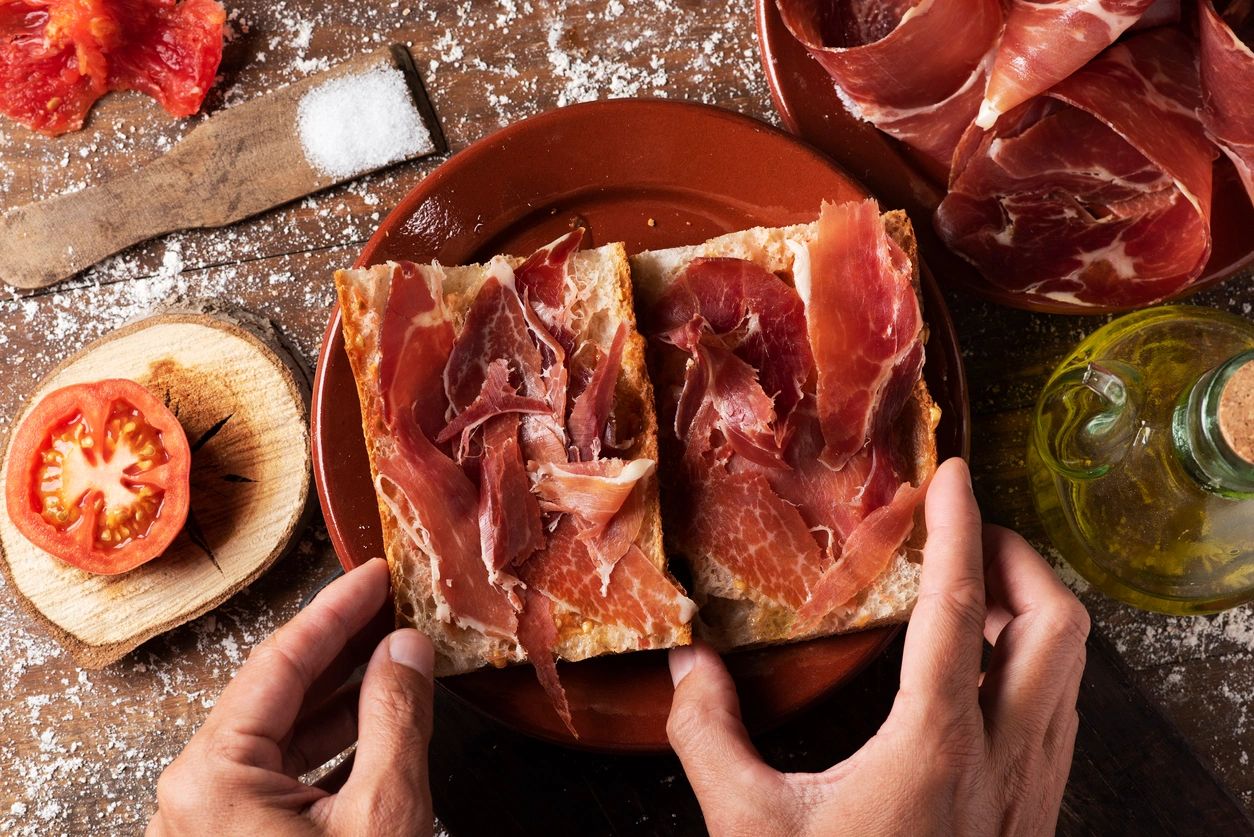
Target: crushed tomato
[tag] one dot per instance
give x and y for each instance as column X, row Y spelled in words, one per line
column 57, row 57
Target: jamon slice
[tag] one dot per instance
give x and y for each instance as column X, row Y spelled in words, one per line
column 544, row 281
column 431, row 499
column 760, row 542
column 1047, row 40
column 754, row 314
column 915, row 70
column 435, row 507
column 537, row 634
column 592, row 491
column 640, row 597
column 592, row 406
column 497, row 397
column 607, row 500
column 865, row 326
column 510, row 528
column 1098, row 192
column 864, row 556
column 415, row 339
column 1226, row 63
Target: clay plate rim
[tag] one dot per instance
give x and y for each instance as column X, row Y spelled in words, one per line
column 690, row 120
column 806, row 101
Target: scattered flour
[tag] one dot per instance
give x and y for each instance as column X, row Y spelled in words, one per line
column 81, row 748
column 87, row 748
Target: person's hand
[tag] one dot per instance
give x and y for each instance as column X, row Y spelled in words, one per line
column 289, row 711
column 960, row 753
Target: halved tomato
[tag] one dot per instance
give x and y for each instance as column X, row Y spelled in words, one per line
column 98, row 476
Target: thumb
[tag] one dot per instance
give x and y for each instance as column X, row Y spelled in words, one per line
column 388, row 790
column 707, row 733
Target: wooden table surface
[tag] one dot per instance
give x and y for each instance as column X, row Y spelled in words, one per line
column 1167, row 736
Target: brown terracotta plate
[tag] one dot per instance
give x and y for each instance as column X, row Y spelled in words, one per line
column 651, row 174
column 806, row 100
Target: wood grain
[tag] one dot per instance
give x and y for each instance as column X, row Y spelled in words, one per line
column 244, row 160
column 92, row 764
column 244, row 412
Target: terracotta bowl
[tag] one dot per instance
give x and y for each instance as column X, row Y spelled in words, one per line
column 806, row 100
column 652, row 174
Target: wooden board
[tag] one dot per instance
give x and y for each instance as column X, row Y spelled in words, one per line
column 244, row 412
column 84, row 749
column 1112, row 776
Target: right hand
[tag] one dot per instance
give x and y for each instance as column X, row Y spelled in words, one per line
column 961, row 752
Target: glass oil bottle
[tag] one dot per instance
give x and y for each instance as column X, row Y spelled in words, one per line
column 1141, row 459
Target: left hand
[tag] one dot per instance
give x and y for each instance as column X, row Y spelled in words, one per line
column 289, row 711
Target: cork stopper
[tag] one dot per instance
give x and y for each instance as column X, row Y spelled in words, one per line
column 1236, row 412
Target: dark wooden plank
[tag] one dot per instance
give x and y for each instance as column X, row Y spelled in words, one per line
column 1134, row 773
column 81, row 750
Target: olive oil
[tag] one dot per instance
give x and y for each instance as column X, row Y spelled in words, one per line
column 1142, row 460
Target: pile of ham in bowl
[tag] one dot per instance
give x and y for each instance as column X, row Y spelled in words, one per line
column 1078, row 138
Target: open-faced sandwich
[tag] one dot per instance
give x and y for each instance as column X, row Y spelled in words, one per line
column 513, row 440
column 798, row 432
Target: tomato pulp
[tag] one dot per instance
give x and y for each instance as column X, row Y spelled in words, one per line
column 99, row 476
column 57, row 57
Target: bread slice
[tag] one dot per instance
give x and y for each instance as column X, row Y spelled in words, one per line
column 603, row 280
column 728, row 618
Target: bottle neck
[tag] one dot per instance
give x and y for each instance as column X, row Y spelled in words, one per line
column 1213, row 428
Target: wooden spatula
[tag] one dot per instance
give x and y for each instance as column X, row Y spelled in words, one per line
column 242, row 161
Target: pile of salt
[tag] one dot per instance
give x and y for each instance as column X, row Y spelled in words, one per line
column 360, row 122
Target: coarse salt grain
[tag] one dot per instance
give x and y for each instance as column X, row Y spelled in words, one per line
column 357, row 123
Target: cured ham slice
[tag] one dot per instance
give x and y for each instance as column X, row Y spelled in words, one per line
column 595, row 491
column 605, row 496
column 640, row 597
column 915, row 70
column 762, row 542
column 433, row 501
column 864, row 557
column 510, row 528
column 436, row 505
column 832, row 501
column 538, row 636
column 497, row 329
column 415, row 340
column 1098, row 192
column 592, row 407
column 496, row 397
column 544, row 282
column 728, row 387
column 865, row 326
column 1044, row 41
column 1226, row 63
column 610, row 542
column 756, row 315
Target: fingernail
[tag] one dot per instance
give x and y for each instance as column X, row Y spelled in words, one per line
column 682, row 659
column 966, row 472
column 412, row 650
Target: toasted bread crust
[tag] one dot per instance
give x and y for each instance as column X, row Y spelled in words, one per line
column 362, row 294
column 728, row 618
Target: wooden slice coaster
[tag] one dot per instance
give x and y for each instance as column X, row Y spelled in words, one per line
column 244, row 406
